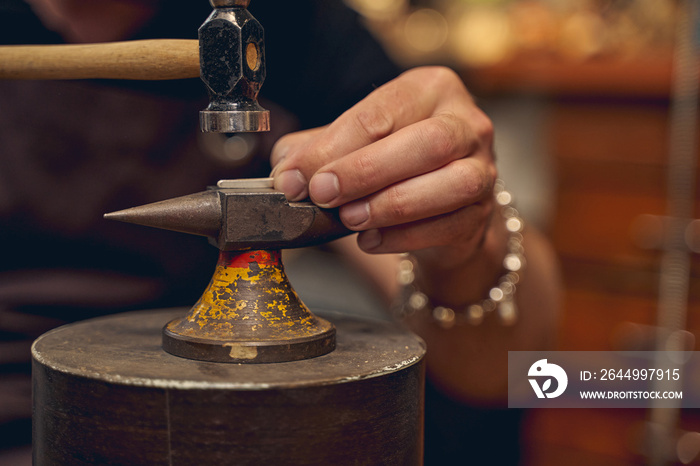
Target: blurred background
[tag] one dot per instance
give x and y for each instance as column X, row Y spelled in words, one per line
column 581, row 93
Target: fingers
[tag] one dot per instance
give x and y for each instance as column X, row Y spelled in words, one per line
column 291, row 182
column 460, row 183
column 416, row 149
column 463, row 229
column 289, row 141
column 389, row 108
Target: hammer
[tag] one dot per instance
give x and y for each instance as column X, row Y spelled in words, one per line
column 229, row 57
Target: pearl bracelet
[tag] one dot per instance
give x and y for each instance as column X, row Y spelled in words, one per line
column 501, row 298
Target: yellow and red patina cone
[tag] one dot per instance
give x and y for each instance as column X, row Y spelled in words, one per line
column 249, row 313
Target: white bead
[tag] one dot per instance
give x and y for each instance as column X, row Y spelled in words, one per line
column 514, row 224
column 489, row 305
column 405, row 277
column 475, row 314
column 512, row 262
column 503, row 198
column 417, row 301
column 496, row 294
column 406, row 265
column 507, row 288
column 445, row 316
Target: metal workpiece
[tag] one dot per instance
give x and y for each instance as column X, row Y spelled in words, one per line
column 239, row 219
column 104, row 393
column 232, row 66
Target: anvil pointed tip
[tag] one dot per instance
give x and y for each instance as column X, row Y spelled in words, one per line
column 197, row 214
column 118, row 215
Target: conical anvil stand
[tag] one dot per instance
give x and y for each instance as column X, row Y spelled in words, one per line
column 249, row 313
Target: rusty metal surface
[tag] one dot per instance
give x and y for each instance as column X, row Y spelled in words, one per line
column 249, row 313
column 125, row 348
column 238, row 219
column 105, row 393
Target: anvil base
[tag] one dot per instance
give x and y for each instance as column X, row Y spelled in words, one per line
column 106, row 393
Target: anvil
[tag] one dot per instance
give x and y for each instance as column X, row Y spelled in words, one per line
column 249, row 313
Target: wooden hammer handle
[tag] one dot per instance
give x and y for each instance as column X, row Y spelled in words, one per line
column 142, row 59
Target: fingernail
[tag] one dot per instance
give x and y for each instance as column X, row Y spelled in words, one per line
column 324, row 188
column 355, row 214
column 369, row 239
column 275, row 169
column 292, row 183
column 279, row 152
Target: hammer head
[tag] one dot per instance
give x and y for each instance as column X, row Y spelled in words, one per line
column 232, row 62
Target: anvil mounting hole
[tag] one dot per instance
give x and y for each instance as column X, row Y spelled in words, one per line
column 252, row 56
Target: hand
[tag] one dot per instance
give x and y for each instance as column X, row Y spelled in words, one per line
column 410, row 166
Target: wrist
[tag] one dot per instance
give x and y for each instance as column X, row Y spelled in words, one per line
column 483, row 284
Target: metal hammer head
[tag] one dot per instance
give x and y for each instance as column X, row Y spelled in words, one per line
column 232, row 62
